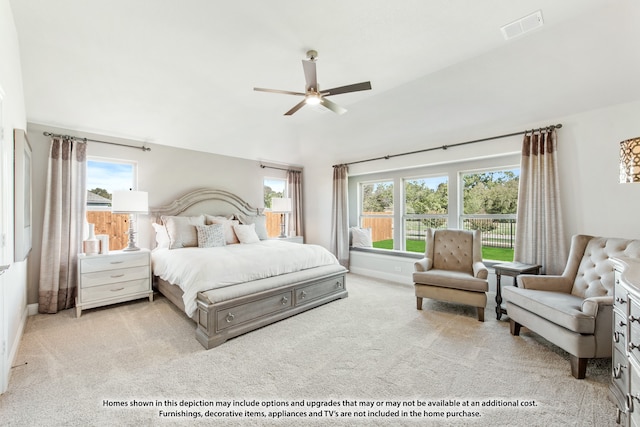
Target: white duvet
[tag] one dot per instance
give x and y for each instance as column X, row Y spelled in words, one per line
column 202, row 269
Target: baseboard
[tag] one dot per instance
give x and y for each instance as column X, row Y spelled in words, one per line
column 13, row 350
column 381, row 275
column 32, row 309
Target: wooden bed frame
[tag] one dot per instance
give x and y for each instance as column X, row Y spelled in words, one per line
column 260, row 302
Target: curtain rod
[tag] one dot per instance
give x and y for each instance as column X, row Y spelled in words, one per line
column 56, row 135
column 281, row 169
column 444, row 147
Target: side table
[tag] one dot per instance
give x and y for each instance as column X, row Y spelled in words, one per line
column 512, row 269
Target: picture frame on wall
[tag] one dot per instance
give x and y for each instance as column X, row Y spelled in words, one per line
column 22, row 195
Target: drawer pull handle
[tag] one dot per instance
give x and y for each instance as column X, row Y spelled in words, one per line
column 634, row 319
column 117, row 290
column 338, row 285
column 230, row 317
column 617, row 371
column 115, row 276
column 303, row 295
column 621, row 300
column 616, row 336
column 633, row 346
column 285, row 300
column 622, row 324
column 116, row 262
column 629, row 403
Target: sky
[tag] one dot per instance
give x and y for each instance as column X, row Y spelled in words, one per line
column 110, row 175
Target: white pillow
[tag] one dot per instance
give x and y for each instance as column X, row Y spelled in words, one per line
column 246, row 233
column 182, row 230
column 229, row 234
column 210, row 236
column 162, row 237
column 361, row 237
column 259, row 220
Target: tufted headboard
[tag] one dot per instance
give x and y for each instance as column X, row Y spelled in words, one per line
column 595, row 274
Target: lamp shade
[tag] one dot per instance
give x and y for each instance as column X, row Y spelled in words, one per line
column 630, row 160
column 130, row 202
column 280, row 204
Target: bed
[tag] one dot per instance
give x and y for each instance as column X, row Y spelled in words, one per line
column 261, row 280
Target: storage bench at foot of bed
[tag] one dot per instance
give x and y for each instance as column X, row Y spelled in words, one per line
column 228, row 312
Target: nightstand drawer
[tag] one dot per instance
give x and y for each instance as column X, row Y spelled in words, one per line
column 116, row 262
column 114, row 290
column 120, row 275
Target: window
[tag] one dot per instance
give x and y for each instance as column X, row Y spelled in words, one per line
column 103, row 177
column 479, row 194
column 426, row 205
column 376, row 212
column 490, row 201
column 273, row 187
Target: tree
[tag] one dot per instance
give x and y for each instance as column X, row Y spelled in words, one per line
column 101, row 192
column 377, row 197
column 270, row 194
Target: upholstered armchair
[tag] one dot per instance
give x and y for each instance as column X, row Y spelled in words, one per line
column 452, row 269
column 574, row 310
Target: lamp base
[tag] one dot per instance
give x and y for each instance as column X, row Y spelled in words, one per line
column 132, row 240
column 282, row 227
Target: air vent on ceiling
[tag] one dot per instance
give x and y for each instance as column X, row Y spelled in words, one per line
column 522, row 25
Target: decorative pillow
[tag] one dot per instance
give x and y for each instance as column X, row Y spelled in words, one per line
column 162, row 237
column 210, row 236
column 361, row 237
column 259, row 220
column 229, row 234
column 246, row 233
column 182, row 230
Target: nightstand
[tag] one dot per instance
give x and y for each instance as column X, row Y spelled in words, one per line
column 112, row 278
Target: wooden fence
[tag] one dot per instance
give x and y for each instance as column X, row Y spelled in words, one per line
column 114, row 225
column 381, row 228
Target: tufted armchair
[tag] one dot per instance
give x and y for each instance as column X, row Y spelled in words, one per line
column 573, row 311
column 452, row 269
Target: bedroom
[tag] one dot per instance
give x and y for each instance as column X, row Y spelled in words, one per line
column 593, row 87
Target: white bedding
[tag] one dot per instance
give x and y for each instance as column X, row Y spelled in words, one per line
column 202, row 269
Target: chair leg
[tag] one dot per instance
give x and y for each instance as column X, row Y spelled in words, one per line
column 578, row 366
column 514, row 327
column 481, row 314
column 419, row 302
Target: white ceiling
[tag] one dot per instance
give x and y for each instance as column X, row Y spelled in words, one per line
column 181, row 73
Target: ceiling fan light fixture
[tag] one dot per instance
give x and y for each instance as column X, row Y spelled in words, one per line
column 313, row 99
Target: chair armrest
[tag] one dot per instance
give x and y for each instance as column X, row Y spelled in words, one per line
column 480, row 271
column 593, row 305
column 545, row 283
column 423, row 264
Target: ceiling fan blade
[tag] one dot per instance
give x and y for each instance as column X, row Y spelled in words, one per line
column 332, row 106
column 286, row 92
column 310, row 75
column 298, row 106
column 346, row 89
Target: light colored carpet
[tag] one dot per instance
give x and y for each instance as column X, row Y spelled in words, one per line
column 373, row 346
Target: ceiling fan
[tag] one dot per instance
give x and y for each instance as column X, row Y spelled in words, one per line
column 313, row 95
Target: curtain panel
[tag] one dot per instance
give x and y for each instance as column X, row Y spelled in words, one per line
column 540, row 232
column 294, row 184
column 63, row 225
column 340, row 215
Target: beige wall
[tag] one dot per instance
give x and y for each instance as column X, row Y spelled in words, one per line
column 163, row 172
column 593, row 200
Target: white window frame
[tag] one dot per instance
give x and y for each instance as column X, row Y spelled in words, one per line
column 453, row 170
column 134, row 183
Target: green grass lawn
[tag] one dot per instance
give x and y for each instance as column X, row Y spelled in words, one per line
column 488, row 253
